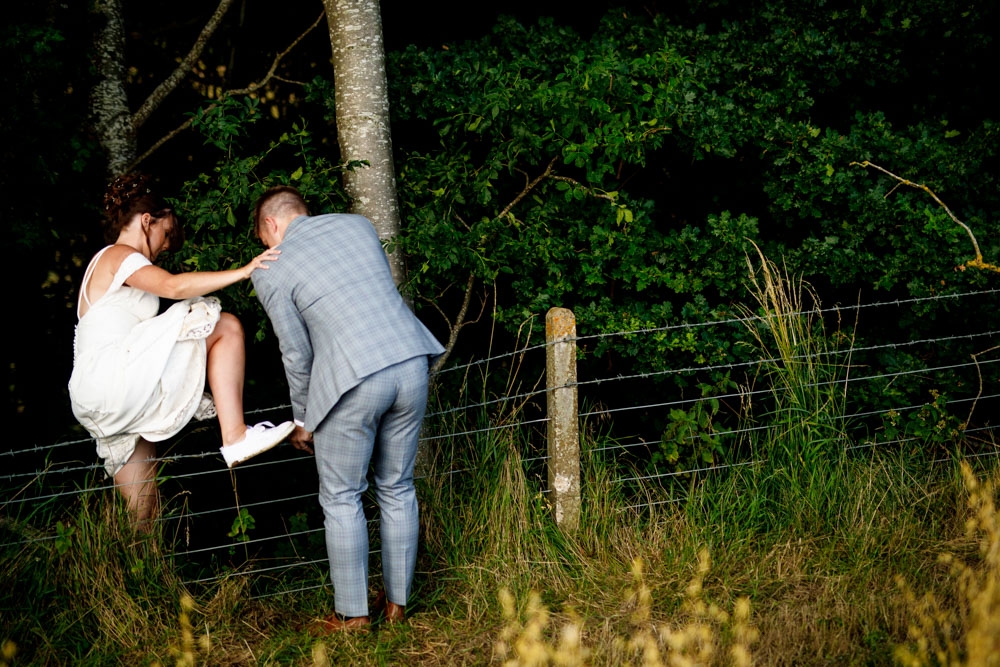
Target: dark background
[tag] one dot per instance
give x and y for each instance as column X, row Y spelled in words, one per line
column 51, row 171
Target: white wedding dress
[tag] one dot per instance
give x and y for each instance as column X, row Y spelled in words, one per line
column 137, row 374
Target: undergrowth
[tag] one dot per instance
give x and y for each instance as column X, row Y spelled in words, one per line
column 101, row 593
column 816, row 555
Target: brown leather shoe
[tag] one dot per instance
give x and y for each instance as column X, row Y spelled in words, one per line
column 389, row 611
column 335, row 624
column 395, row 613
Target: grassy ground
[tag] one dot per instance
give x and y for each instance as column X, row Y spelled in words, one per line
column 810, row 556
column 499, row 582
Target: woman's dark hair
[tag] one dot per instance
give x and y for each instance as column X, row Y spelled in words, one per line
column 131, row 194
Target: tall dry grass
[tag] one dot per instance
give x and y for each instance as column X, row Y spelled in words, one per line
column 702, row 633
column 961, row 626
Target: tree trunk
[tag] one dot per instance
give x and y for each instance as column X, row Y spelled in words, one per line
column 115, row 125
column 362, row 111
column 109, row 102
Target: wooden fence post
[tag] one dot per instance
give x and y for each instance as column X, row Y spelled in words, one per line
column 564, row 438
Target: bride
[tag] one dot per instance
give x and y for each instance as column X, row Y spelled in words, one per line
column 139, row 377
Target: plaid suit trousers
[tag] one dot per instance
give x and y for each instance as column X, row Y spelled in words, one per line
column 375, row 424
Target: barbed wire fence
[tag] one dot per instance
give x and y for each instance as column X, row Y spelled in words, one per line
column 262, row 520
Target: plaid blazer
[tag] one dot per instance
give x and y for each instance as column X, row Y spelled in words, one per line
column 336, row 311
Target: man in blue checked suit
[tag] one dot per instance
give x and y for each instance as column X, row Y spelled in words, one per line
column 356, row 360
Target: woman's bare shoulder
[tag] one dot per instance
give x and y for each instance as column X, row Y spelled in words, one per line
column 107, row 266
column 113, row 257
column 100, row 276
column 119, row 251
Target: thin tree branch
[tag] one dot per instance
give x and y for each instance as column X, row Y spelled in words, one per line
column 979, row 372
column 162, row 140
column 567, row 179
column 434, row 304
column 458, row 324
column 528, row 188
column 253, row 87
column 975, row 263
column 455, row 327
column 171, row 82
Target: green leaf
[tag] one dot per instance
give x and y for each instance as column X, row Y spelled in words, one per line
column 64, row 537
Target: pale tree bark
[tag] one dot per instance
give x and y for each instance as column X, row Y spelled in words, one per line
column 109, row 101
column 115, row 125
column 362, row 112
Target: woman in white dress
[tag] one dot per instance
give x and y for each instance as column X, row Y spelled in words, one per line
column 139, row 377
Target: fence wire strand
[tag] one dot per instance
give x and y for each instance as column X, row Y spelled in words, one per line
column 451, row 423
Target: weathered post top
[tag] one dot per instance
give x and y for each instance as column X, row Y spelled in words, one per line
column 560, row 323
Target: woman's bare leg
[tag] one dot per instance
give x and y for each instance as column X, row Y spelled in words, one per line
column 226, row 372
column 136, row 481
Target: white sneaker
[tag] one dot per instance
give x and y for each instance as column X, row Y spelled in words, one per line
column 259, row 438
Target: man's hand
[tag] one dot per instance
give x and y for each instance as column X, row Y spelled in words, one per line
column 301, row 439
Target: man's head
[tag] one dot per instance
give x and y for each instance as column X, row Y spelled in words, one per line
column 274, row 210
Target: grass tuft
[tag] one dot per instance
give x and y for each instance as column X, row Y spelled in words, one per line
column 802, row 451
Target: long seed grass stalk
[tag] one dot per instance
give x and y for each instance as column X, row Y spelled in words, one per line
column 804, row 443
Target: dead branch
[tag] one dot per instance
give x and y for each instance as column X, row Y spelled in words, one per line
column 455, row 327
column 253, row 87
column 171, row 82
column 162, row 140
column 978, row 262
column 979, row 372
column 459, row 323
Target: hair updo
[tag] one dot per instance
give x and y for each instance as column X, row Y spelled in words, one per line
column 130, row 195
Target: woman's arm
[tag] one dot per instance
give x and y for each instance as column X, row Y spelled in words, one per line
column 162, row 283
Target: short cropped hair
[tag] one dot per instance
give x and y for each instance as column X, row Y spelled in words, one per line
column 276, row 202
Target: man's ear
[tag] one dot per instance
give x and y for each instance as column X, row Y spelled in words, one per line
column 272, row 224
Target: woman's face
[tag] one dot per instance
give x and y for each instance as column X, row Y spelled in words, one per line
column 158, row 235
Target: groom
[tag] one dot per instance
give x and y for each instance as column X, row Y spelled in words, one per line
column 356, row 360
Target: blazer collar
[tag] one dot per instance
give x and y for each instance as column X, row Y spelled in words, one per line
column 293, row 226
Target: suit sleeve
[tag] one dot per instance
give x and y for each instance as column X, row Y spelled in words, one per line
column 293, row 340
